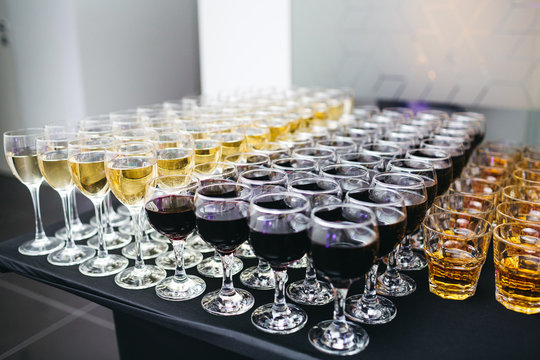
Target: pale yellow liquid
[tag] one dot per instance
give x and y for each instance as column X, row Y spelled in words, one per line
column 88, row 173
column 174, row 162
column 207, row 152
column 232, row 145
column 25, row 167
column 127, row 178
column 55, row 169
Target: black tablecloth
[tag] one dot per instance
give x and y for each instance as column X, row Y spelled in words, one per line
column 426, row 326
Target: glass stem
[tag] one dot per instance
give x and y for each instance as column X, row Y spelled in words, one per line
column 370, row 294
column 227, row 286
column 66, row 206
column 280, row 303
column 108, row 230
column 339, row 305
column 136, row 217
column 179, row 271
column 34, row 193
column 406, row 244
column 391, row 270
column 263, row 266
column 310, row 281
column 75, row 220
column 102, row 249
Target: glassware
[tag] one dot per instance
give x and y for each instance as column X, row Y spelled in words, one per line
column 452, row 147
column 518, row 211
column 273, row 150
column 128, row 167
column 291, row 165
column 517, row 262
column 464, row 203
column 321, row 156
column 86, row 163
column 478, row 187
column 278, row 226
column 79, row 230
column 526, row 177
column 22, row 158
column 170, row 210
column 52, row 157
column 389, row 209
column 337, row 146
column 221, row 216
column 523, row 193
column 373, row 163
column 386, row 152
column 347, row 176
column 344, row 246
column 441, row 161
column 247, row 160
column 456, row 246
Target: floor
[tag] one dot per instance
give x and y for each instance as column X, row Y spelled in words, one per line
column 39, row 321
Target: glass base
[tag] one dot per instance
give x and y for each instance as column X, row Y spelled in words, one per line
column 238, row 303
column 104, row 266
column 417, row 241
column 41, row 246
column 123, row 211
column 326, row 337
column 286, row 322
column 159, row 237
column 517, row 304
column 254, row 278
column 71, row 256
column 167, row 260
column 212, row 268
column 410, row 260
column 319, row 293
column 196, row 243
column 378, row 311
column 399, row 285
column 174, row 290
column 150, row 249
column 140, row 278
column 112, row 241
column 299, row 264
column 245, row 251
column 81, row 232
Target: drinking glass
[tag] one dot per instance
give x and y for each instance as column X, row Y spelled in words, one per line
column 455, row 149
column 221, row 217
column 291, row 165
column 518, row 211
column 344, row 246
column 441, row 161
column 517, row 262
column 22, row 158
column 52, row 157
column 278, row 226
column 170, row 210
column 386, row 152
column 389, row 209
column 337, row 146
column 498, row 175
column 347, row 176
column 273, row 150
column 247, row 160
column 526, row 177
column 321, row 156
column 128, row 167
column 523, row 193
column 86, row 162
column 464, row 203
column 296, row 141
column 373, row 163
column 456, row 246
column 478, row 187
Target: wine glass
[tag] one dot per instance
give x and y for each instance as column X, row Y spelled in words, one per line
column 86, row 162
column 221, row 217
column 321, row 156
column 291, row 165
column 442, row 163
column 386, row 151
column 278, row 226
column 389, row 209
column 455, row 149
column 247, row 160
column 262, row 180
column 170, row 210
column 128, row 167
column 337, row 146
column 52, row 151
column 22, row 158
column 373, row 163
column 347, row 176
column 344, row 246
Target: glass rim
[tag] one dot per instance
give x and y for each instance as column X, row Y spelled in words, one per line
column 459, row 237
column 498, row 237
column 300, row 152
column 264, row 169
column 400, row 203
column 396, row 186
column 21, row 132
column 245, row 198
column 445, row 154
column 193, row 181
column 336, row 185
column 343, row 226
column 512, row 198
column 484, row 181
column 467, row 195
column 305, row 207
column 512, row 217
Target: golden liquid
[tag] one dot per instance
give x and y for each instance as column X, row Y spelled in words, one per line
column 55, row 169
column 174, row 162
column 294, row 125
column 232, row 145
column 127, row 178
column 257, row 136
column 207, row 152
column 453, row 277
column 278, row 130
column 88, row 173
column 517, row 283
column 25, row 167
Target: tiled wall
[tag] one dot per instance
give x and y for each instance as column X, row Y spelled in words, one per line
column 480, row 53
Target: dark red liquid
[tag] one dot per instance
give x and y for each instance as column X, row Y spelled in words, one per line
column 431, row 190
column 390, row 235
column 172, row 215
column 286, row 164
column 360, row 195
column 458, row 163
column 258, row 177
column 444, row 179
column 312, row 186
column 415, row 216
column 224, row 235
column 279, row 249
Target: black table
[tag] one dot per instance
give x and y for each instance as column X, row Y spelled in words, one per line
column 426, row 326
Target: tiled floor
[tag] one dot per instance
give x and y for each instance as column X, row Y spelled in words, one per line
column 38, row 321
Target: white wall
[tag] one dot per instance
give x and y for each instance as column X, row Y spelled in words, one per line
column 244, row 44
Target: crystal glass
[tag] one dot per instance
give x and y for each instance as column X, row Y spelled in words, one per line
column 452, row 147
column 221, row 217
column 526, row 177
column 464, row 203
column 456, row 246
column 321, row 156
column 478, row 187
column 52, row 157
column 129, row 166
column 170, row 209
column 347, row 176
column 518, row 211
column 292, row 165
column 86, row 159
column 337, row 146
column 22, row 158
column 517, row 259
column 441, row 161
column 498, row 175
column 278, row 226
column 386, row 151
column 344, row 246
column 273, row 150
column 389, row 209
column 296, row 141
column 247, row 160
column 373, row 163
column 523, row 193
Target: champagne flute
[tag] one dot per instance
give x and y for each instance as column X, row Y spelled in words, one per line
column 22, row 158
column 344, row 245
column 53, row 163
column 170, row 210
column 221, row 217
column 128, row 167
column 86, row 163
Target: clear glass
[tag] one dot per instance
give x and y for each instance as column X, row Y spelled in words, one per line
column 344, row 244
column 21, row 156
column 442, row 163
column 113, row 239
column 221, row 215
column 170, row 209
column 278, row 226
column 79, row 230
